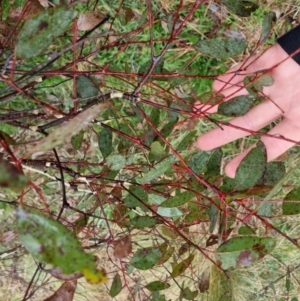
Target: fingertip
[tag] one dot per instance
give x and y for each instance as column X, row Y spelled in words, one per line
column 202, row 144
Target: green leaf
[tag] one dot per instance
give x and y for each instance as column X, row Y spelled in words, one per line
column 5, row 9
column 158, row 169
column 77, row 140
column 11, row 177
column 292, row 207
column 211, row 98
column 221, row 48
column 169, row 212
column 213, row 165
column 243, row 251
column 85, row 87
column 242, row 8
column 178, row 200
column 179, row 269
column 144, row 259
column 49, row 241
column 256, row 84
column 168, row 128
column 251, row 168
column 268, row 23
column 136, row 193
column 155, row 115
column 39, row 32
column 213, row 217
column 157, row 286
column 105, row 142
column 166, row 253
column 116, row 286
column 246, row 230
column 159, row 67
column 116, row 162
column 198, row 161
column 237, row 106
column 184, row 143
column 188, row 294
column 274, row 171
column 144, row 221
column 157, row 297
column 157, row 150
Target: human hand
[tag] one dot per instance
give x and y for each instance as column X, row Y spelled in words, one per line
column 283, row 100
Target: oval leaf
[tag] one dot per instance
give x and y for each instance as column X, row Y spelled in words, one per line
column 292, row 207
column 157, row 286
column 213, row 166
column 116, row 286
column 105, row 142
column 77, row 140
column 179, row 268
column 116, row 162
column 251, row 168
column 144, row 221
column 267, row 25
column 39, row 32
column 178, row 200
column 136, row 197
column 221, row 48
column 242, row 8
column 243, row 251
column 49, row 241
column 273, row 173
column 144, row 259
column 85, row 87
column 199, row 161
column 11, row 177
column 236, row 106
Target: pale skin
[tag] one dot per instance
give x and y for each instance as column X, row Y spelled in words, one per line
column 285, row 93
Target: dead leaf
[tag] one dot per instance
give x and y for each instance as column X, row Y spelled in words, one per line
column 7, row 237
column 4, row 32
column 89, row 20
column 123, row 247
column 59, row 275
column 64, row 133
column 204, row 282
column 65, row 292
column 34, row 8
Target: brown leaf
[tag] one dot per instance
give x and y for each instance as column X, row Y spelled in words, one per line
column 89, row 20
column 7, row 237
column 204, row 282
column 64, row 133
column 4, row 32
column 123, row 247
column 65, row 292
column 34, row 8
